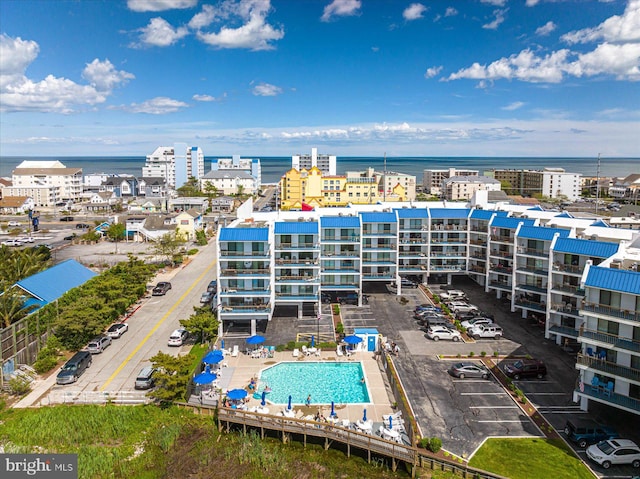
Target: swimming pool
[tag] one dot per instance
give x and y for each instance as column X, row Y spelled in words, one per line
column 324, row 381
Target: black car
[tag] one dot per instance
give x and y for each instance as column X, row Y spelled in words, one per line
column 585, row 432
column 161, row 288
column 70, row 237
column 66, row 218
column 82, row 226
column 213, row 286
column 526, row 368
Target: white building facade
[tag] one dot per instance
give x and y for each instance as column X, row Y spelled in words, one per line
column 175, row 164
column 458, row 188
column 229, row 182
column 432, row 179
column 556, row 183
column 46, row 182
column 325, row 163
column 251, row 166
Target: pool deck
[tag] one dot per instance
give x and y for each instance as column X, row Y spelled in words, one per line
column 243, row 367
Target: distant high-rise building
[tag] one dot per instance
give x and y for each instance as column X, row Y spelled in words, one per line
column 550, row 182
column 47, row 182
column 325, row 163
column 175, row 164
column 251, row 166
column 432, row 179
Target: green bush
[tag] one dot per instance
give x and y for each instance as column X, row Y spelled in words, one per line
column 472, row 354
column 19, row 386
column 495, row 354
column 340, row 328
column 424, row 442
column 436, row 298
column 192, row 251
column 435, row 444
column 45, row 363
column 483, row 353
column 336, row 309
column 201, row 238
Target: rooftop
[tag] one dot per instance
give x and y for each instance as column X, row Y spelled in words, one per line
column 52, row 283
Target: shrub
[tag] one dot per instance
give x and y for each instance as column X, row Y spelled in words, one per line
column 435, row 444
column 495, row 354
column 472, row 354
column 340, row 328
column 336, row 309
column 192, row 251
column 19, row 386
column 436, row 298
column 483, row 353
column 424, row 442
column 45, row 364
column 523, row 399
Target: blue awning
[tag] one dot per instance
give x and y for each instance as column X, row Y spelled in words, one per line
column 378, row 217
column 541, row 233
column 449, row 213
column 296, row 227
column 613, row 279
column 339, row 222
column 597, row 249
column 244, row 234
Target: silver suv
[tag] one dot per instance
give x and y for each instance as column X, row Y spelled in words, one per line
column 97, row 345
column 614, row 452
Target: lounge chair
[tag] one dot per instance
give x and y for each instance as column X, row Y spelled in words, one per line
column 295, row 353
column 235, row 351
column 318, row 352
column 305, row 351
column 395, row 415
column 339, row 351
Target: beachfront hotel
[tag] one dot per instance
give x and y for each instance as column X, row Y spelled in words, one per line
column 577, row 277
column 175, row 164
column 325, row 163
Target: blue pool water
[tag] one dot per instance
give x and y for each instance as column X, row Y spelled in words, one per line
column 324, row 381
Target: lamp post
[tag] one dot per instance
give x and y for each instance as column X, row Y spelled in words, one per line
column 319, row 318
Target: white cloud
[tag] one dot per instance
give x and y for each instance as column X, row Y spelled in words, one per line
column 156, row 106
column 52, row 94
column 493, row 25
column 254, row 33
column 450, row 12
column 414, row 11
column 266, row 89
column 496, row 3
column 623, row 61
column 159, row 5
column 513, row 106
column 618, row 28
column 531, row 3
column 546, row 29
column 432, row 71
column 104, row 76
column 204, row 18
column 159, row 33
column 341, row 8
column 208, row 98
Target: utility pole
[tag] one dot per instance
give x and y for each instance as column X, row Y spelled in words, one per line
column 384, row 177
column 598, row 184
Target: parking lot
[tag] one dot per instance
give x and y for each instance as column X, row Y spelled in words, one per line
column 463, row 412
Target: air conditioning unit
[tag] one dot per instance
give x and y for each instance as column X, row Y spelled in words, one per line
column 615, row 265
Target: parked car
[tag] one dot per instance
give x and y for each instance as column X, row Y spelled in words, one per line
column 348, row 298
column 432, row 322
column 178, row 337
column 161, row 288
column 66, row 218
column 12, row 242
column 206, row 297
column 427, row 307
column 469, row 370
column 14, row 224
column 145, row 378
column 213, row 286
column 462, row 308
column 585, row 433
column 615, row 452
column 99, row 344
column 74, row 368
column 117, row 329
column 442, row 332
column 26, row 239
column 526, row 368
column 452, row 294
column 407, row 283
column 70, row 237
column 475, row 322
column 82, row 226
column 485, row 331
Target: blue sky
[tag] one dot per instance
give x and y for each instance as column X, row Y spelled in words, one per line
column 351, row 77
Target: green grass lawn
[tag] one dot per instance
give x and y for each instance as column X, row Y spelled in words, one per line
column 524, row 458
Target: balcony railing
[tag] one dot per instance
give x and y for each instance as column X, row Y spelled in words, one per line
column 532, row 288
column 477, row 269
column 502, row 238
column 250, row 271
column 533, row 252
column 564, row 330
column 568, row 268
column 608, row 368
column 414, row 241
column 619, row 400
column 500, row 284
column 501, row 254
column 296, row 245
column 606, row 310
column 296, row 278
column 478, row 242
column 525, row 303
column 611, row 339
column 447, row 267
column 256, row 308
column 250, row 254
column 303, row 261
column 379, row 246
column 240, row 291
column 347, row 239
column 499, row 268
column 478, row 229
column 565, row 308
column 348, row 254
column 529, row 269
column 569, row 288
column 297, row 296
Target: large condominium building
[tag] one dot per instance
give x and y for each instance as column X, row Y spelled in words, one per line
column 550, row 182
column 251, row 166
column 176, row 164
column 458, row 188
column 388, row 182
column 576, row 276
column 325, row 163
column 432, row 179
column 46, row 182
column 229, row 182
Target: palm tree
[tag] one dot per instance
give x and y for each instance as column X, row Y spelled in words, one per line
column 12, row 306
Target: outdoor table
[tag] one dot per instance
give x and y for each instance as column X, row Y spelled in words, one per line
column 391, row 434
column 312, row 350
column 289, row 413
column 364, row 426
column 262, row 410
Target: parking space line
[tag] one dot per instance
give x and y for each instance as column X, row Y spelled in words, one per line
column 546, row 394
column 507, row 420
column 484, row 394
column 494, row 407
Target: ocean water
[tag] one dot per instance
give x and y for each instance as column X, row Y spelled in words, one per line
column 274, row 167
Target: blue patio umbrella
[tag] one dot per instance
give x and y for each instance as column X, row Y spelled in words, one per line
column 256, row 339
column 390, row 422
column 352, row 339
column 364, row 416
column 206, row 377
column 313, row 340
column 333, row 411
column 236, row 394
column 264, row 399
column 289, row 404
column 222, row 344
column 213, row 357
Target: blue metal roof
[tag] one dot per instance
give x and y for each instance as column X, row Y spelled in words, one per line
column 486, row 214
column 50, row 284
column 340, row 222
column 296, row 227
column 449, row 213
column 509, row 222
column 621, row 280
column 378, row 217
column 536, row 208
column 597, row 249
column 541, row 233
column 244, row 234
column 600, row 223
column 564, row 214
column 413, row 212
column 357, row 331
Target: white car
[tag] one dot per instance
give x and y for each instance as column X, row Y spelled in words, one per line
column 470, row 323
column 12, row 242
column 26, row 239
column 14, row 224
column 485, row 331
column 178, row 337
column 441, row 332
column 615, row 451
column 117, row 329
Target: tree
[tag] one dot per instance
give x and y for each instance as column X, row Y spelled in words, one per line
column 507, row 187
column 12, row 306
column 240, row 190
column 168, row 245
column 202, row 323
column 116, row 232
column 190, row 188
column 172, row 377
